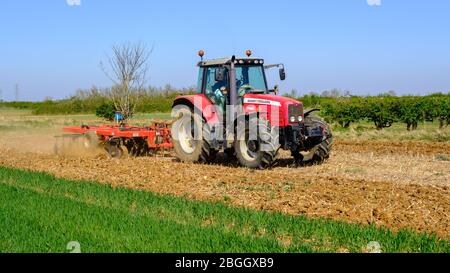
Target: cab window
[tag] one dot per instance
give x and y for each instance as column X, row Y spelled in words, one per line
column 212, row 87
column 200, row 80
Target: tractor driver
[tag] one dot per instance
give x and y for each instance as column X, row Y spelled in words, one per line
column 217, row 93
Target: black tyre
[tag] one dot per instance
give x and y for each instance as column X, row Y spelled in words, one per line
column 298, row 157
column 321, row 151
column 191, row 136
column 256, row 143
column 231, row 153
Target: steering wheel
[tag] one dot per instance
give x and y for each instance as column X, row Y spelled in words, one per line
column 243, row 89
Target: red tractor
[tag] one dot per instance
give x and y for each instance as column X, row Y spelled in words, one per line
column 234, row 111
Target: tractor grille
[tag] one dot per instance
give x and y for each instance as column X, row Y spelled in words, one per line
column 295, row 110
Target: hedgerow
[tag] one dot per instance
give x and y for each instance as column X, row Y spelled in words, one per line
column 383, row 110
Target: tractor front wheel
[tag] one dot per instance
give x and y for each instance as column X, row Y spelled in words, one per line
column 256, row 143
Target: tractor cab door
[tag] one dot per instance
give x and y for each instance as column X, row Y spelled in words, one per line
column 216, row 90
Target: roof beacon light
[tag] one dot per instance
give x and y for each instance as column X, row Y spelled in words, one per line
column 248, row 53
column 201, row 53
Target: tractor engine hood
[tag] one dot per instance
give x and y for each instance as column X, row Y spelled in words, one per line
column 286, row 107
column 274, row 99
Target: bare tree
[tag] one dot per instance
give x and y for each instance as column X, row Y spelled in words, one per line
column 128, row 71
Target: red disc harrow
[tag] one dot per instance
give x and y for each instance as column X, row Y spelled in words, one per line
column 119, row 140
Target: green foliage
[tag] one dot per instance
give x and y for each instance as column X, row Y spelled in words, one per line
column 20, row 104
column 411, row 110
column 438, row 106
column 156, row 103
column 74, row 105
column 344, row 111
column 41, row 213
column 106, row 111
column 151, row 100
column 381, row 111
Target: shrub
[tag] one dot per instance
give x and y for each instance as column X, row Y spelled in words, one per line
column 106, row 111
column 344, row 111
column 411, row 110
column 382, row 111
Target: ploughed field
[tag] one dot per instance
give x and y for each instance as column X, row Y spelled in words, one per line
column 393, row 183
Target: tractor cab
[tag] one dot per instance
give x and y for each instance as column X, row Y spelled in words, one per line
column 225, row 81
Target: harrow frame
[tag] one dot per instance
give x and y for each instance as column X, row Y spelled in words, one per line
column 137, row 140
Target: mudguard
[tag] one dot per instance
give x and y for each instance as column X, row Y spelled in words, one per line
column 200, row 103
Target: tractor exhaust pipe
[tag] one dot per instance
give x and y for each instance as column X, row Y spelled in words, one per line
column 232, row 107
column 233, row 91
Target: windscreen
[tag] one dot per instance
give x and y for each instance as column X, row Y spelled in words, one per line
column 250, row 76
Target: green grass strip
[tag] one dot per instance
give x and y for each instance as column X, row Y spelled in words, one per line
column 41, row 213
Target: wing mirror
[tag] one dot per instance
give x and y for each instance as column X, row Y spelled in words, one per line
column 220, row 74
column 282, row 74
column 274, row 90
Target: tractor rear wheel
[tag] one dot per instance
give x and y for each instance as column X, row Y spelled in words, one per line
column 191, row 137
column 256, row 143
column 322, row 150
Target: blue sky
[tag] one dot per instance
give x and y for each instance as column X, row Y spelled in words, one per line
column 51, row 48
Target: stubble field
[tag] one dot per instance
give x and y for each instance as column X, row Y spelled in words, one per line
column 391, row 180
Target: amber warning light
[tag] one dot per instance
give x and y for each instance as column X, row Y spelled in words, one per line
column 201, row 53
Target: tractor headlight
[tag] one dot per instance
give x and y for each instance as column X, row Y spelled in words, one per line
column 295, row 113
